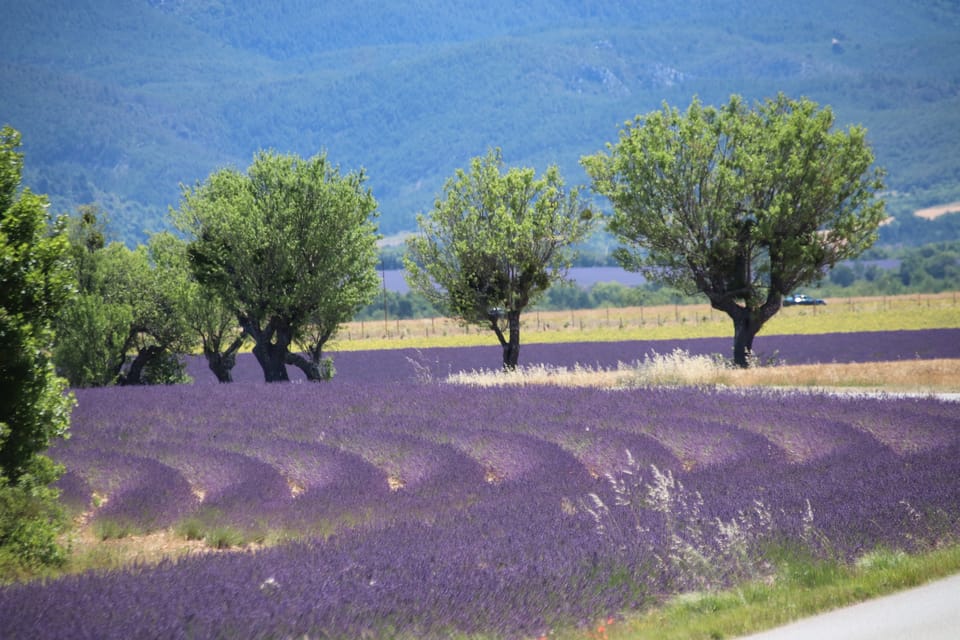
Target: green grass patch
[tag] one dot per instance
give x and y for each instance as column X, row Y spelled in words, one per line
column 802, row 587
column 224, row 537
column 109, row 529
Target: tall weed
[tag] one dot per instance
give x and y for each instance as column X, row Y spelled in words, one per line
column 663, row 520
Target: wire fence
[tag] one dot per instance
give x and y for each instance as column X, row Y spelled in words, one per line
column 616, row 318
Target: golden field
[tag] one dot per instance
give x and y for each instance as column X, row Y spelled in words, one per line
column 669, row 322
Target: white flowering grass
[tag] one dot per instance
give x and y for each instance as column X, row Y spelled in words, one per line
column 701, row 553
column 680, row 368
column 541, row 374
column 677, row 368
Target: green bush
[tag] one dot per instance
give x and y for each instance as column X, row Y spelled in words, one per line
column 31, row 520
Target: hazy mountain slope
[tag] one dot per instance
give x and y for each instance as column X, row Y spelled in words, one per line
column 120, row 101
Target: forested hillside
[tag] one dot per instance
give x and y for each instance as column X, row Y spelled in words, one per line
column 120, row 102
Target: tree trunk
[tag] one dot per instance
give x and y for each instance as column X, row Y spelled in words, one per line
column 511, row 342
column 511, row 348
column 313, row 365
column 221, row 364
column 744, row 330
column 310, row 368
column 746, row 324
column 270, row 347
column 135, row 375
column 273, row 360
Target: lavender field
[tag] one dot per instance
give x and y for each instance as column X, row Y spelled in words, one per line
column 398, row 365
column 417, row 510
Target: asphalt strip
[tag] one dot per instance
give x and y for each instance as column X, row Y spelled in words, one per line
column 928, row 612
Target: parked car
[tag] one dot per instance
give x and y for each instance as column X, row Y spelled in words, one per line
column 801, row 298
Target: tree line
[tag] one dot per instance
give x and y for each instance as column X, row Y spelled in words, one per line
column 741, row 203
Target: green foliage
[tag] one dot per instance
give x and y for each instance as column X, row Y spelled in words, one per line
column 743, row 205
column 289, row 248
column 204, row 312
column 31, row 520
column 611, row 294
column 128, row 303
column 494, row 243
column 109, row 529
column 92, row 340
column 224, row 537
column 34, row 408
column 399, row 305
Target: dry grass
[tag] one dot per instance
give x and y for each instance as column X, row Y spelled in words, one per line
column 921, row 376
column 88, row 551
column 681, row 369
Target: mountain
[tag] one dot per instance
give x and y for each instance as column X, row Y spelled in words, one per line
column 121, row 101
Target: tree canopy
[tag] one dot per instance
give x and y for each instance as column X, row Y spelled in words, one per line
column 494, row 242
column 740, row 204
column 289, row 246
column 34, row 284
column 126, row 303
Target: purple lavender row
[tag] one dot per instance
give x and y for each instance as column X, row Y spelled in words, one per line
column 531, row 568
column 136, row 492
column 491, row 534
column 409, row 364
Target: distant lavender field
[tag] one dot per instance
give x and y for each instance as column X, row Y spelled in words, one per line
column 427, row 510
column 405, row 364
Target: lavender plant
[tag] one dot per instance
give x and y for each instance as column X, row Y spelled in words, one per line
column 437, row 363
column 484, row 532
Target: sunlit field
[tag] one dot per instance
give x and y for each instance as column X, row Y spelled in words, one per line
column 890, row 313
column 424, row 494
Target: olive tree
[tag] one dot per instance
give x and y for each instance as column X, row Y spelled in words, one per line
column 495, row 241
column 126, row 324
column 288, row 243
column 741, row 204
column 203, row 312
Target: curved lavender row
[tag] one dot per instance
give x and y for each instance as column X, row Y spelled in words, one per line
column 406, row 364
column 458, row 553
column 309, row 466
column 136, row 490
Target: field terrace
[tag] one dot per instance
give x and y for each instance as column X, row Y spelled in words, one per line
column 399, row 506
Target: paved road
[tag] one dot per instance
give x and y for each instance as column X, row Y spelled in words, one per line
column 928, row 612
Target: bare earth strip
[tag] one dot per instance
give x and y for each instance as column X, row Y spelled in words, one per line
column 935, row 212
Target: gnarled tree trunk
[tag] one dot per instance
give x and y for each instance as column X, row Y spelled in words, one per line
column 744, row 330
column 271, row 345
column 221, row 364
column 134, row 375
column 747, row 322
column 313, row 365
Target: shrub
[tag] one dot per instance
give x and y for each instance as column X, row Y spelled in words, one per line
column 31, row 519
